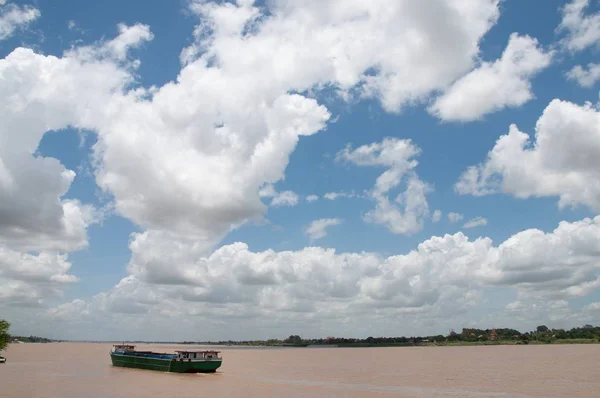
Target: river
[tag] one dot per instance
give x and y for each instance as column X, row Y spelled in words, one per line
column 69, row 370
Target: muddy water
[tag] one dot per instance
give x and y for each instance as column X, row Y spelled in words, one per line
column 69, row 370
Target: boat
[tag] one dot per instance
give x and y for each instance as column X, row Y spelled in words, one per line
column 206, row 361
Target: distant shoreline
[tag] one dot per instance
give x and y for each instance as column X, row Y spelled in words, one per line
column 347, row 345
column 587, row 334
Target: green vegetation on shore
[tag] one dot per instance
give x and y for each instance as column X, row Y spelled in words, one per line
column 502, row 336
column 4, row 336
column 32, row 339
column 587, row 334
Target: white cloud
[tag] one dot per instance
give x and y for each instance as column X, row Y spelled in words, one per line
column 268, row 191
column 28, row 279
column 582, row 30
column 393, row 50
column 228, row 123
column 37, row 224
column 436, row 216
column 556, row 312
column 129, row 37
column 318, row 228
column 14, row 17
column 441, row 278
column 38, row 94
column 335, row 195
column 476, row 222
column 455, row 217
column 285, row 198
column 563, row 161
column 494, row 85
column 70, row 310
column 592, row 307
column 585, row 77
column 225, row 128
column 556, row 265
column 312, row 198
column 405, row 216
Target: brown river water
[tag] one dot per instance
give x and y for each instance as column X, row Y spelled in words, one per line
column 69, row 370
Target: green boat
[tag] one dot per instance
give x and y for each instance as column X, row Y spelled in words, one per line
column 126, row 356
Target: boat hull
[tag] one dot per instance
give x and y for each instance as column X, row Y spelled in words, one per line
column 165, row 365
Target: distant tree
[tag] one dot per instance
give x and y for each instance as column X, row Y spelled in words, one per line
column 4, row 336
column 294, row 339
column 542, row 329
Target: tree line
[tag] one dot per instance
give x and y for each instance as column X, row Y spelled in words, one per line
column 542, row 334
column 6, row 337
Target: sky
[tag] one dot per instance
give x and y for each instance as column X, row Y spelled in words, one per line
column 215, row 170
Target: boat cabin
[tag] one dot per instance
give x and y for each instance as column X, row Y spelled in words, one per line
column 206, row 355
column 123, row 347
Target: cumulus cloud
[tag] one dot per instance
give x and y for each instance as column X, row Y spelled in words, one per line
column 37, row 224
column 336, row 195
column 455, row 217
column 582, row 30
column 562, row 161
column 393, row 50
column 129, row 37
column 440, row 278
column 585, row 77
column 436, row 216
column 39, row 94
column 14, row 17
column 285, row 198
column 185, row 161
column 560, row 264
column 318, row 228
column 312, row 198
column 406, row 213
column 475, row 222
column 494, row 85
column 279, row 199
column 592, row 307
column 557, row 312
column 29, row 279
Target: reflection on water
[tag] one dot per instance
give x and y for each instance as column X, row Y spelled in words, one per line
column 69, row 370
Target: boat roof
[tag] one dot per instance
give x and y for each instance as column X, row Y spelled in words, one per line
column 124, row 345
column 198, row 351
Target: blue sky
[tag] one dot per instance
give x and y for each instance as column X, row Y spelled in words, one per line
column 157, row 168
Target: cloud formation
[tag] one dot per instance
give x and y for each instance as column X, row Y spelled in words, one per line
column 563, row 160
column 585, row 76
column 455, row 217
column 440, row 278
column 185, row 161
column 407, row 212
column 14, row 17
column 37, row 224
column 476, row 222
column 191, row 160
column 494, row 85
column 318, row 228
column 582, row 31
